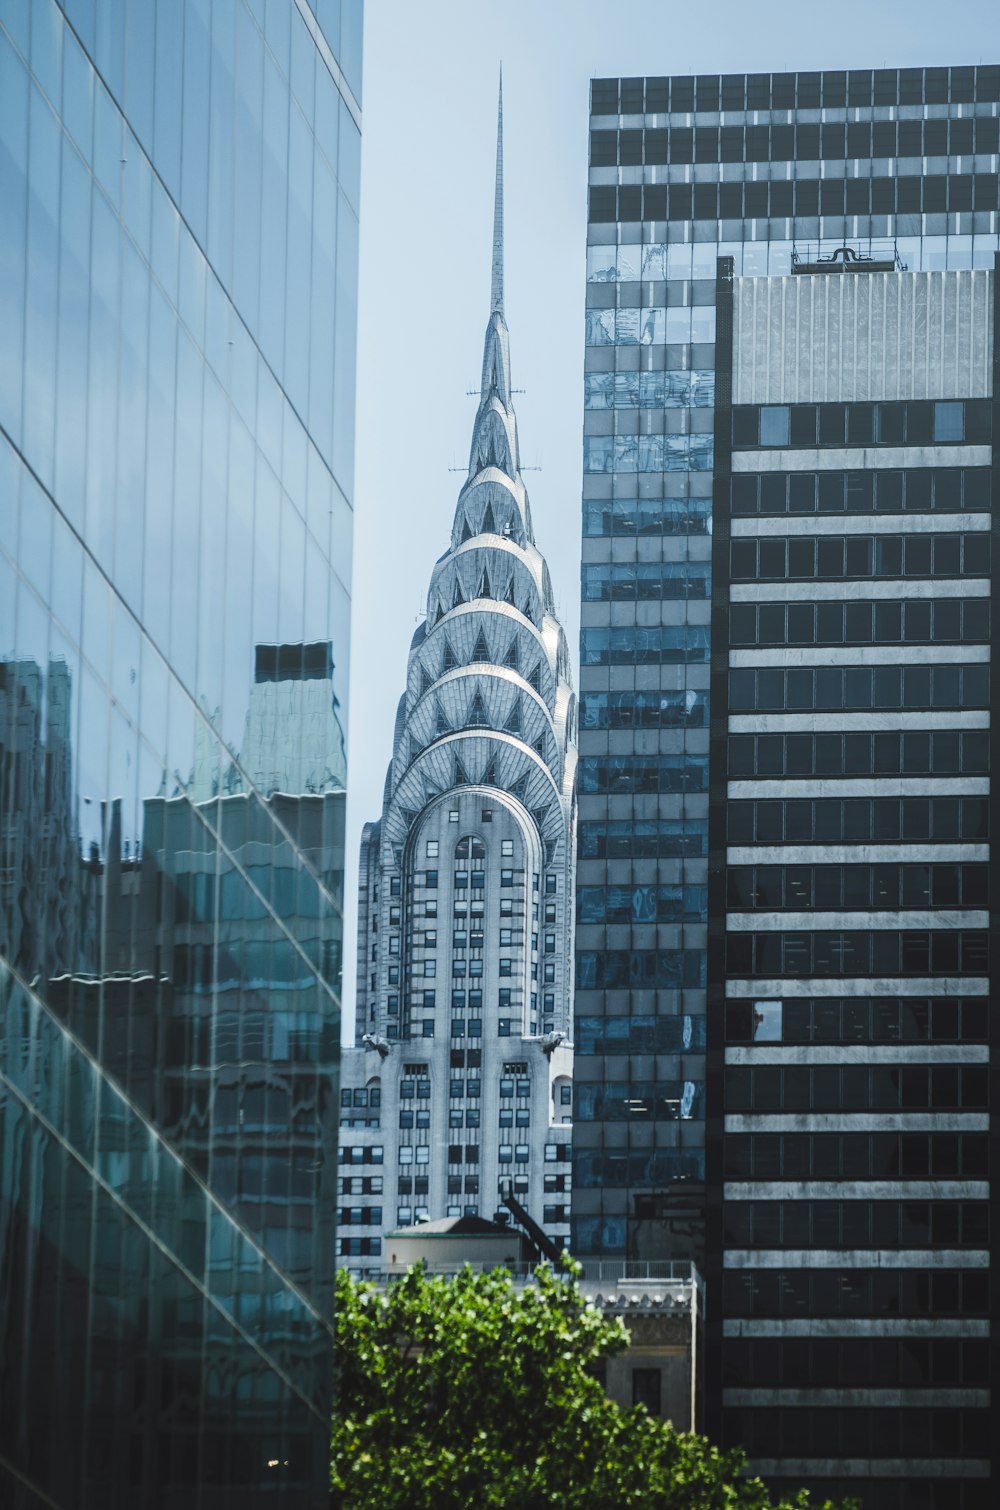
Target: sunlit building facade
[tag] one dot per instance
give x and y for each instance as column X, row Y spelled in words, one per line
column 790, row 338
column 177, row 329
column 461, row 1073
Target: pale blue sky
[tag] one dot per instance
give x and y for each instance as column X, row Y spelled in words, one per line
column 430, row 77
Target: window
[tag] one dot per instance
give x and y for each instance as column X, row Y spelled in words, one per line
column 453, row 815
column 506, row 878
column 550, row 886
column 504, row 997
column 394, row 886
column 430, row 938
column 949, row 422
column 506, row 937
column 565, row 1095
column 430, row 967
column 505, row 1153
column 428, row 1026
column 507, row 847
column 423, row 1153
column 767, row 1022
column 405, row 1154
column 432, row 849
column 646, row 1389
column 522, row 1153
column 487, row 815
column 506, row 967
column 503, row 1027
column 774, row 425
column 431, row 879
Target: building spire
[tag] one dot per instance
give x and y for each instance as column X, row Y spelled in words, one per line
column 496, row 300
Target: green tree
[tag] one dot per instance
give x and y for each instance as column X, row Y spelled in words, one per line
column 471, row 1392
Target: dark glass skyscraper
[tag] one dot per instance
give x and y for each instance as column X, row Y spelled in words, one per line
column 178, row 267
column 784, row 750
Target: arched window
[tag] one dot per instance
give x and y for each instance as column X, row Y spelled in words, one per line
column 470, row 848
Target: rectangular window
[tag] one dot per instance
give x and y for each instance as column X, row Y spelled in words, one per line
column 432, row 849
column 506, row 966
column 774, row 425
column 430, row 967
column 507, row 848
column 503, row 1027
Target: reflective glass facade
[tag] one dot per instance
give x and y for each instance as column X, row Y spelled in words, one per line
column 178, row 268
column 830, row 661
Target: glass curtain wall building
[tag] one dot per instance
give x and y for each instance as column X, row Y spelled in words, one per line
column 178, row 269
column 773, row 172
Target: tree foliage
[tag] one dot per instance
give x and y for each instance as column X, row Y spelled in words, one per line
column 471, row 1392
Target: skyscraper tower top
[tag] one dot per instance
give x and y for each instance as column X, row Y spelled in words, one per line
column 466, row 895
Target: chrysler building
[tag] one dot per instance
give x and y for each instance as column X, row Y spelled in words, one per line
column 461, row 1074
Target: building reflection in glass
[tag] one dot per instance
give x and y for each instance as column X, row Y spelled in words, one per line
column 177, row 312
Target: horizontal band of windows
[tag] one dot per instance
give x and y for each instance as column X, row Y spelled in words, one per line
column 777, row 887
column 901, row 422
column 640, row 969
column 649, row 390
column 803, row 557
column 685, row 265
column 896, row 1223
column 639, row 1034
column 943, row 752
column 618, row 774
column 921, row 621
column 631, row 517
column 857, row 1023
column 857, row 820
column 891, row 1292
column 855, row 1087
column 799, row 142
column 643, row 710
column 892, row 1442
column 819, row 526
column 638, row 1100
column 861, row 1155
column 674, row 325
column 684, row 93
column 782, row 199
column 835, row 952
column 595, row 1168
column 659, row 645
column 834, row 687
column 642, row 904
column 914, row 490
column 643, row 839
column 645, row 581
column 647, row 453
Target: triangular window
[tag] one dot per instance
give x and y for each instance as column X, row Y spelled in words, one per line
column 526, row 610
column 513, row 724
column 466, row 532
column 489, row 527
column 485, row 590
column 450, row 659
column 441, row 724
column 508, row 596
column 490, row 774
column 512, row 658
column 534, row 679
column 482, row 650
column 519, row 788
column 440, row 614
column 457, row 599
column 478, row 717
column 425, row 680
column 461, row 779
